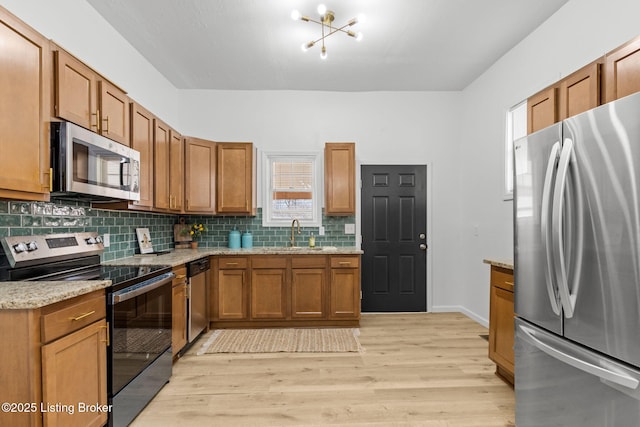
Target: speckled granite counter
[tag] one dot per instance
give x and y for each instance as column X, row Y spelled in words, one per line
column 182, row 256
column 499, row 263
column 29, row 295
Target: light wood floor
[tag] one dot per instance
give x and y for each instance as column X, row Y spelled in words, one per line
column 424, row 369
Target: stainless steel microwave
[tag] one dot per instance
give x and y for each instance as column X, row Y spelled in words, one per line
column 90, row 166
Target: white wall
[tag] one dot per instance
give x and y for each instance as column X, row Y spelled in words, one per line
column 577, row 34
column 388, row 128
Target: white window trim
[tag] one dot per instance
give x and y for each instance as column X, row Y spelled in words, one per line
column 317, row 159
column 508, row 148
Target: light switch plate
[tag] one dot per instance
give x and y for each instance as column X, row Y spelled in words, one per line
column 106, row 240
column 349, row 229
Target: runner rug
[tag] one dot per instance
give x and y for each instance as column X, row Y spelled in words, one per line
column 288, row 340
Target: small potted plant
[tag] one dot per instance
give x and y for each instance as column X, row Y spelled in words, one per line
column 195, row 231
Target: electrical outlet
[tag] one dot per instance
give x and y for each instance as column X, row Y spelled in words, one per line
column 106, row 240
column 321, row 230
column 349, row 229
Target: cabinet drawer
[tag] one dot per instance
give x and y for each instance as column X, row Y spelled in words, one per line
column 72, row 315
column 279, row 261
column 233, row 262
column 502, row 278
column 310, row 261
column 345, row 262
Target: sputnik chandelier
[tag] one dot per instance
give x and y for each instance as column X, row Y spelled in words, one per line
column 326, row 22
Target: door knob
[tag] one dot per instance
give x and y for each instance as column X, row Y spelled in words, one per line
column 423, row 246
column 423, row 236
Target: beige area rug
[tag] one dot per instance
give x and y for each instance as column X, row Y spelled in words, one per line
column 288, row 340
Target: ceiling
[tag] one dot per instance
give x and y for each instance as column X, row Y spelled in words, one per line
column 408, row 45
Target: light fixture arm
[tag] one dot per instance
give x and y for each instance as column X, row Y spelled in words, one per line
column 326, row 20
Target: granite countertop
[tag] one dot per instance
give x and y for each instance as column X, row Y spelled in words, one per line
column 30, row 295
column 499, row 263
column 181, row 256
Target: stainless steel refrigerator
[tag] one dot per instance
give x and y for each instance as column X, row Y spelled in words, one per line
column 577, row 270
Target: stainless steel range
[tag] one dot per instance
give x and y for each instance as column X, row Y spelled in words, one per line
column 138, row 310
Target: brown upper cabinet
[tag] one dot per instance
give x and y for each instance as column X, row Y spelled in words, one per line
column 580, row 91
column 200, row 176
column 340, row 178
column 542, row 109
column 572, row 95
column 25, row 76
column 142, row 126
column 236, row 178
column 622, row 70
column 168, row 167
column 84, row 97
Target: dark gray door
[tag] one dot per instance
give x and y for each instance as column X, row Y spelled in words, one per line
column 394, row 237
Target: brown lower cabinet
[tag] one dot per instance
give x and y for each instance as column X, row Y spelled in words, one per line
column 501, row 322
column 57, row 357
column 285, row 290
column 179, row 310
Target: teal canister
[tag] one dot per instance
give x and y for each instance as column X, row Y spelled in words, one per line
column 247, row 239
column 234, row 239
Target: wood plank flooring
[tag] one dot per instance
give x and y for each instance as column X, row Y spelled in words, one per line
column 422, row 369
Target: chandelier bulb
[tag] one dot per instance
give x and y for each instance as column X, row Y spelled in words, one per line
column 322, row 9
column 361, row 18
column 295, row 15
column 323, row 54
column 359, row 36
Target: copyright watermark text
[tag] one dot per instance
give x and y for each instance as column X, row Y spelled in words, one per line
column 43, row 407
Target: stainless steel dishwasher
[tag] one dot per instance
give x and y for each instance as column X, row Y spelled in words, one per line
column 197, row 285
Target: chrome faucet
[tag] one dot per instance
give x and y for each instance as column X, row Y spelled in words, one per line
column 293, row 237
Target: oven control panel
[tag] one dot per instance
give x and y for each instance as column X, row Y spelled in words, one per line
column 30, row 250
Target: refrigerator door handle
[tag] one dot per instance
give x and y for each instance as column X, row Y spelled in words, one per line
column 578, row 361
column 544, row 225
column 567, row 161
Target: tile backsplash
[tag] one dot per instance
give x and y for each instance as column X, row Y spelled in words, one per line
column 62, row 216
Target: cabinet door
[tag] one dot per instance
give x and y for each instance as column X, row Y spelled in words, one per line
column 542, row 110
column 76, row 91
column 142, row 141
column 501, row 322
column 268, row 293
column 179, row 318
column 179, row 310
column 340, row 179
column 232, row 295
column 114, row 113
column 236, row 178
column 74, row 369
column 200, row 176
column 580, row 91
column 24, row 110
column 161, row 153
column 344, row 291
column 622, row 71
column 308, row 289
column 176, row 171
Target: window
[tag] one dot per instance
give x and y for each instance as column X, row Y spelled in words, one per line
column 516, row 129
column 292, row 183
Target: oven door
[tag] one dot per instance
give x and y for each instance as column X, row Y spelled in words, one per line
column 140, row 327
column 86, row 163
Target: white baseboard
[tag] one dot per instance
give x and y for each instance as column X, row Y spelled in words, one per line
column 460, row 309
